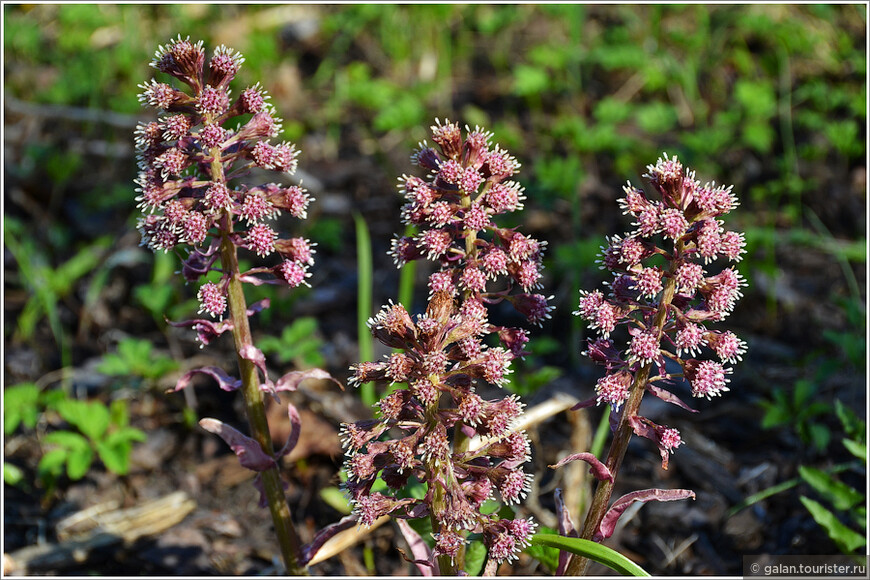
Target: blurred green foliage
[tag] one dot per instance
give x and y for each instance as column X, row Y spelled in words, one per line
column 705, row 81
column 530, row 373
column 769, row 97
column 803, row 407
column 799, row 408
column 135, row 359
column 299, row 344
column 49, row 286
column 96, row 430
column 848, row 503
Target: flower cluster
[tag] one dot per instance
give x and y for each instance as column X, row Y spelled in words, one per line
column 467, row 186
column 424, row 426
column 187, row 158
column 440, row 365
column 664, row 294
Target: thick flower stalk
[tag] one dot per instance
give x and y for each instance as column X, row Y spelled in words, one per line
column 188, row 159
column 426, row 426
column 666, row 293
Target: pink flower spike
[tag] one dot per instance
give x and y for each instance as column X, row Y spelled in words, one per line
column 213, row 101
column 261, row 239
column 253, row 99
column 212, row 299
column 671, row 439
column 644, row 347
column 674, row 224
column 649, row 282
column 708, row 378
column 690, row 338
column 728, row 347
column 217, row 197
column 294, row 273
column 533, row 306
column 448, row 543
column 709, row 240
column 689, row 276
column 589, row 303
column 733, row 245
column 613, row 389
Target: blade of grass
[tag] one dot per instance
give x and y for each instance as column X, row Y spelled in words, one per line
column 364, row 302
column 591, row 550
column 406, row 278
column 601, row 432
column 854, row 288
column 778, row 488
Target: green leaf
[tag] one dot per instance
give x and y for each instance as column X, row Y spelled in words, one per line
column 30, row 315
column 125, row 435
column 857, row 449
column 558, row 177
column 135, row 357
column 844, row 135
column 20, row 406
column 620, row 55
column 364, row 302
column 80, row 264
column 155, row 298
column 51, row 463
column 135, row 350
column 763, row 494
column 12, row 474
column 92, row 419
column 413, row 488
column 115, row 456
column 299, row 341
column 759, row 136
column 757, row 98
column 803, row 390
column 592, row 550
column 820, row 435
column 475, row 557
column 846, row 539
column 190, row 417
column 114, row 365
column 547, row 555
column 775, row 413
column 67, row 439
column 335, row 499
column 852, row 424
column 610, row 110
column 403, row 112
column 841, row 495
column 815, row 409
column 530, row 80
column 656, row 117
column 51, row 398
column 119, row 415
column 527, row 383
column 78, row 462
